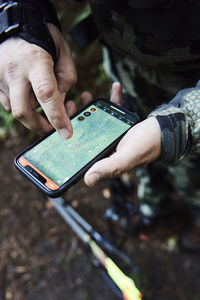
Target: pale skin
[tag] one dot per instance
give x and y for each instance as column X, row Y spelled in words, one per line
column 29, row 79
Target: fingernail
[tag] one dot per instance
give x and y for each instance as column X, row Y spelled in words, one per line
column 116, row 86
column 94, row 178
column 64, row 133
column 116, row 83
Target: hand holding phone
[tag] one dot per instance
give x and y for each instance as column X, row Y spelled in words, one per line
column 54, row 164
column 140, row 145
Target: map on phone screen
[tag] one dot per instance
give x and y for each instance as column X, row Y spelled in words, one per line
column 93, row 130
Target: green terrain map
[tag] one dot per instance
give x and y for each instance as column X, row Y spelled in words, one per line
column 59, row 159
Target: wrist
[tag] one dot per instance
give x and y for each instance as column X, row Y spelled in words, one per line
column 28, row 19
column 175, row 137
column 155, row 139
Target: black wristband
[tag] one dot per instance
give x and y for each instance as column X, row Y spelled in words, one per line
column 28, row 19
column 175, row 139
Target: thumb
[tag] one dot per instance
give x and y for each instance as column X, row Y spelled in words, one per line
column 116, row 94
column 108, row 167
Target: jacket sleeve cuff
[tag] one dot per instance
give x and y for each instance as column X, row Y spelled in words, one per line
column 175, row 136
column 28, row 19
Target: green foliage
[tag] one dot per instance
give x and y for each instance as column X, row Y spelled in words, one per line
column 102, row 79
column 6, row 122
column 84, row 13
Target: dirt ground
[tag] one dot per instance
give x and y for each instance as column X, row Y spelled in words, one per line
column 40, row 257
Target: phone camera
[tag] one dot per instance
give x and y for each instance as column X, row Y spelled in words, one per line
column 81, row 118
column 87, row 114
column 93, row 109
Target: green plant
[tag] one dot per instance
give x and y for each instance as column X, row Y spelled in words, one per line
column 6, row 122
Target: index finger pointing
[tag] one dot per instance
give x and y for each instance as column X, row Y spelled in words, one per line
column 45, row 87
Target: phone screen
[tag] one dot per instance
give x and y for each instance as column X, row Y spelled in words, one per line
column 56, row 160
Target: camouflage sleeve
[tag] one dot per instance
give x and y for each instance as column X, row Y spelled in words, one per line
column 180, row 124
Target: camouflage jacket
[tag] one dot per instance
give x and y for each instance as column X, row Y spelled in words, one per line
column 180, row 124
column 155, row 36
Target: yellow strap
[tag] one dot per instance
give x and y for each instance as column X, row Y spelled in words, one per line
column 124, row 283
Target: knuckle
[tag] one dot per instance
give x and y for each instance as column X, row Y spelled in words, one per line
column 35, row 54
column 11, row 71
column 116, row 172
column 44, row 91
column 71, row 78
column 70, row 73
column 56, row 120
column 66, row 80
column 18, row 114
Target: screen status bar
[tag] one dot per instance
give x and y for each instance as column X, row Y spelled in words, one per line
column 116, row 112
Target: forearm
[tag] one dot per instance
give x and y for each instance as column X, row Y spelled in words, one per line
column 180, row 125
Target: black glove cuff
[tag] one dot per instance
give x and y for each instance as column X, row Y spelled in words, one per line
column 175, row 139
column 28, row 19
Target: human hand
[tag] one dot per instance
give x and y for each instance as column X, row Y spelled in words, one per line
column 86, row 97
column 140, row 145
column 29, row 79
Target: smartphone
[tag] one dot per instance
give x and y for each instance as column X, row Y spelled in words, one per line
column 54, row 164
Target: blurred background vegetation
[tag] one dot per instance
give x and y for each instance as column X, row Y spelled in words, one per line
column 88, row 61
